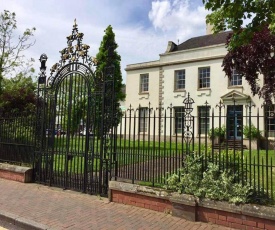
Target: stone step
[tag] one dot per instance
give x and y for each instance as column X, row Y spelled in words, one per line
column 237, row 145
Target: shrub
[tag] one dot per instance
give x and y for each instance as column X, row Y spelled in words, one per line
column 188, row 178
column 221, row 185
column 251, row 132
column 217, row 132
column 209, row 181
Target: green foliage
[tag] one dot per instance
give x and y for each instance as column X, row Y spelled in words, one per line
column 209, row 181
column 217, row 132
column 12, row 60
column 73, row 86
column 18, row 128
column 221, row 185
column 18, row 95
column 108, row 57
column 188, row 179
column 251, row 132
column 227, row 14
column 254, row 61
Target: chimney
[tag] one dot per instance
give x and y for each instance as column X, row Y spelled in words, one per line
column 170, row 47
column 209, row 29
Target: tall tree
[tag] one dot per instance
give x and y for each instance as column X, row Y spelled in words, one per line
column 109, row 60
column 253, row 60
column 228, row 14
column 12, row 59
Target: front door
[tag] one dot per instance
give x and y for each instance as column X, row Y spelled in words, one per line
column 234, row 121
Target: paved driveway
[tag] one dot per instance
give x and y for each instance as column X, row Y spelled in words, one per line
column 53, row 208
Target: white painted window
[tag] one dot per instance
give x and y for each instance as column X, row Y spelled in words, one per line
column 179, row 118
column 204, row 77
column 143, row 119
column 203, row 119
column 236, row 79
column 144, row 83
column 180, row 79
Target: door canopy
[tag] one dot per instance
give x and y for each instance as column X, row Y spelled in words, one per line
column 229, row 98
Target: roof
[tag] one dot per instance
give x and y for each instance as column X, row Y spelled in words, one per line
column 202, row 41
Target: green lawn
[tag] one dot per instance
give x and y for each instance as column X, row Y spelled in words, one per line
column 259, row 165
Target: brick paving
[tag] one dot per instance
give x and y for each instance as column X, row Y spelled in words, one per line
column 41, row 207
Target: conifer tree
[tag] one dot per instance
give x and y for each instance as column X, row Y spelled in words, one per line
column 109, row 60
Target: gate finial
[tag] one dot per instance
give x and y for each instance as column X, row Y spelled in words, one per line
column 75, row 52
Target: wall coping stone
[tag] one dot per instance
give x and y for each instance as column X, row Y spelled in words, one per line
column 260, row 211
column 185, row 199
column 139, row 189
column 16, row 173
column 254, row 210
column 14, row 168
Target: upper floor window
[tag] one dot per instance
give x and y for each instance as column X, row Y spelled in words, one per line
column 204, row 77
column 179, row 79
column 236, row 78
column 144, row 83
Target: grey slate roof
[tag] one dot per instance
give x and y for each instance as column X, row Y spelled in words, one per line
column 202, row 41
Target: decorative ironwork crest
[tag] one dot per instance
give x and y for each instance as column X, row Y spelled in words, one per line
column 188, row 119
column 73, row 53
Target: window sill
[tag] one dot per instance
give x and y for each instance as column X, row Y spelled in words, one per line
column 202, row 89
column 179, row 93
column 144, row 93
column 235, row 87
column 179, row 90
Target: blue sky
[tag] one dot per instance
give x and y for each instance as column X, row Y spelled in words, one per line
column 142, row 27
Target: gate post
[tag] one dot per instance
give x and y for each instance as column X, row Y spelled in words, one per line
column 40, row 114
column 108, row 139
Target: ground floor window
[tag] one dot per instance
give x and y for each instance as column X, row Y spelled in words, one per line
column 203, row 119
column 143, row 119
column 179, row 117
column 270, row 120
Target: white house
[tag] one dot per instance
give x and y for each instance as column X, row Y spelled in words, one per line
column 195, row 67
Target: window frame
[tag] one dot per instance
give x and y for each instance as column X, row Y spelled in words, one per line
column 235, row 78
column 177, row 80
column 202, row 119
column 143, row 84
column 269, row 120
column 201, row 78
column 179, row 120
column 143, row 116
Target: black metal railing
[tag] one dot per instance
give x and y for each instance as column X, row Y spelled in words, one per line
column 153, row 144
column 17, row 138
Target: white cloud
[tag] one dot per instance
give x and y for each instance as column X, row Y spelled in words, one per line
column 142, row 27
column 178, row 18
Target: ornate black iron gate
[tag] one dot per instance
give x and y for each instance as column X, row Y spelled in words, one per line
column 75, row 130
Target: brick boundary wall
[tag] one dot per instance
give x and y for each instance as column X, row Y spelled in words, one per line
column 233, row 220
column 245, row 217
column 153, row 203
column 15, row 173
